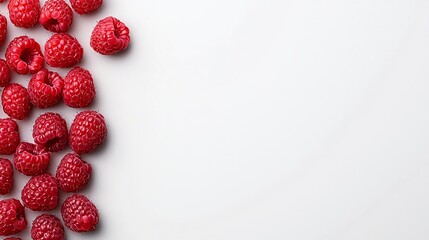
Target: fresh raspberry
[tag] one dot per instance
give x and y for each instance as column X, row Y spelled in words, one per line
column 15, row 101
column 47, row 227
column 31, row 159
column 87, row 132
column 24, row 13
column 4, row 73
column 6, row 176
column 79, row 90
column 40, row 193
column 24, row 56
column 79, row 213
column 73, row 173
column 45, row 88
column 12, row 217
column 63, row 50
column 3, row 29
column 110, row 36
column 56, row 16
column 9, row 136
column 85, row 6
column 50, row 131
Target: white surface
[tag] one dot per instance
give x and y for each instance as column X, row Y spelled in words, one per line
column 245, row 119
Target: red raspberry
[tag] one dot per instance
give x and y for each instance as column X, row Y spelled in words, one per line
column 24, row 13
column 40, row 193
column 45, row 88
column 73, row 173
column 87, row 132
column 15, row 101
column 110, row 36
column 56, row 16
column 79, row 90
column 6, row 176
column 31, row 159
column 9, row 136
column 3, row 29
column 79, row 213
column 85, row 6
column 47, row 227
column 12, row 217
column 24, row 56
column 63, row 50
column 4, row 73
column 50, row 131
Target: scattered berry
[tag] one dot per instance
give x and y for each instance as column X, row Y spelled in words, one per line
column 85, row 6
column 6, row 176
column 24, row 56
column 12, row 217
column 3, row 29
column 79, row 213
column 31, row 159
column 110, row 36
column 73, row 173
column 63, row 50
column 56, row 16
column 24, row 13
column 79, row 90
column 40, row 193
column 50, row 131
column 45, row 88
column 4, row 73
column 9, row 136
column 15, row 101
column 47, row 227
column 87, row 132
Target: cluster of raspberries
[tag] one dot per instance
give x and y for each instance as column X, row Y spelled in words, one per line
column 50, row 132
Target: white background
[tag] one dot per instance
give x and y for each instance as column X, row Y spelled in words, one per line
column 246, row 119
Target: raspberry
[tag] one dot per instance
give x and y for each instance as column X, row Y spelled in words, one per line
column 12, row 217
column 47, row 227
column 4, row 73
column 45, row 88
column 6, row 176
column 87, row 132
column 85, row 6
column 79, row 90
column 9, row 136
column 73, row 173
column 24, row 13
column 40, row 193
column 110, row 36
column 31, row 159
column 50, row 131
column 3, row 29
column 24, row 56
column 15, row 101
column 63, row 50
column 56, row 16
column 79, row 213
